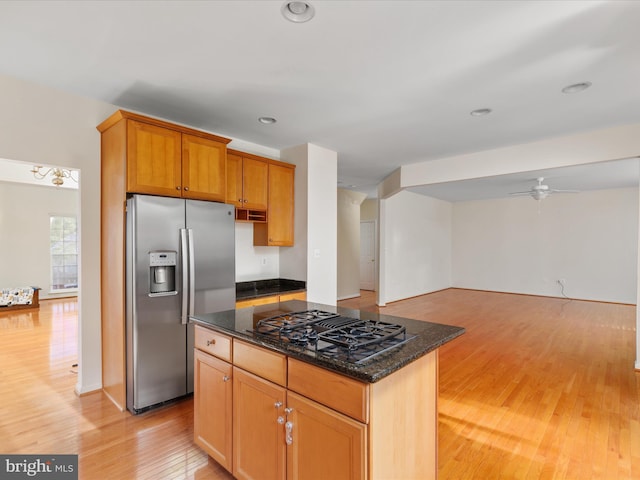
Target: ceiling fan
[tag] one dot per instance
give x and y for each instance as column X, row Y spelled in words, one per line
column 541, row 191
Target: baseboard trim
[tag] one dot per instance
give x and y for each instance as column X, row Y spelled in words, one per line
column 346, row 297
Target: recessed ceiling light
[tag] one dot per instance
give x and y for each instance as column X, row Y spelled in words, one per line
column 576, row 87
column 480, row 112
column 267, row 120
column 298, row 12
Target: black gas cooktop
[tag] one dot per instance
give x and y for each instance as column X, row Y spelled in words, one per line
column 331, row 335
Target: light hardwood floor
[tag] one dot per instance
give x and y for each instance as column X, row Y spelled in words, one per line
column 536, row 388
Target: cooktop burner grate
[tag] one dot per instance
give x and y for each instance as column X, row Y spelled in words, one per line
column 359, row 334
column 333, row 336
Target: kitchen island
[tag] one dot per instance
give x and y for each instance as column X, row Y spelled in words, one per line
column 269, row 406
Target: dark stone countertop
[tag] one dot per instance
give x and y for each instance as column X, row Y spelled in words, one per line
column 265, row 288
column 428, row 336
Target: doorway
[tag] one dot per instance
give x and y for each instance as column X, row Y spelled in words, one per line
column 367, row 255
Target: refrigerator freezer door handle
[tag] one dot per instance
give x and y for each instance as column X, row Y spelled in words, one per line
column 185, row 275
column 192, row 273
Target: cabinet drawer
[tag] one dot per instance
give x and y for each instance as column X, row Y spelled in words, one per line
column 331, row 389
column 213, row 342
column 293, row 296
column 253, row 302
column 264, row 363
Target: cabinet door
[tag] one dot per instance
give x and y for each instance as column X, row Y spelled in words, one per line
column 278, row 231
column 254, row 183
column 212, row 398
column 323, row 443
column 203, row 169
column 234, row 180
column 258, row 438
column 153, row 160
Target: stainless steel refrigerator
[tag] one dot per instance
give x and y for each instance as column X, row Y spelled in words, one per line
column 180, row 261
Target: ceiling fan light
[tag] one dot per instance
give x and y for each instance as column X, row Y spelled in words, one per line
column 539, row 194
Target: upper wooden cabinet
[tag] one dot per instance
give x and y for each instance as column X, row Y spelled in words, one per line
column 247, row 177
column 153, row 159
column 278, row 230
column 203, row 168
column 170, row 160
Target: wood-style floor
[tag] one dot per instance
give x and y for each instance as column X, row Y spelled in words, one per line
column 536, row 388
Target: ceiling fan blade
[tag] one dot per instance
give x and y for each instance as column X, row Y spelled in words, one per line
column 563, row 191
column 516, row 194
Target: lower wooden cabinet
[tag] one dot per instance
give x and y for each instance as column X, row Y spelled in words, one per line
column 322, row 443
column 310, row 423
column 213, row 394
column 258, row 438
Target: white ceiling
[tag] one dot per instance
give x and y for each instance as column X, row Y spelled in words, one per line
column 383, row 83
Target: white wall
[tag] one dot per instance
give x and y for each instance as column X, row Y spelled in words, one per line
column 348, row 253
column 24, row 232
column 415, row 246
column 314, row 255
column 589, row 239
column 254, row 263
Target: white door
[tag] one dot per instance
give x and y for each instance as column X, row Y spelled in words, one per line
column 367, row 255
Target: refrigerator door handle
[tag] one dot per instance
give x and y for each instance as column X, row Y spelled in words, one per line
column 192, row 273
column 185, row 275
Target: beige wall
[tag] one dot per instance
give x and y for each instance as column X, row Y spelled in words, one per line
column 24, row 232
column 43, row 125
column 369, row 209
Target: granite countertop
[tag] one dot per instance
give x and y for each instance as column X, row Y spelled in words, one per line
column 264, row 288
column 428, row 336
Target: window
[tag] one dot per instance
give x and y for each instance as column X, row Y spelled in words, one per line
column 64, row 252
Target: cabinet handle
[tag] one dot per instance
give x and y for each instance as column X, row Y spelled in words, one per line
column 281, row 420
column 277, row 404
column 186, row 189
column 226, row 378
column 288, row 427
column 211, row 342
column 178, row 187
column 240, row 200
column 288, row 410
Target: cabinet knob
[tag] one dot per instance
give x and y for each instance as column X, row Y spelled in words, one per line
column 281, row 420
column 186, row 189
column 288, row 410
column 211, row 342
column 226, row 378
column 240, row 200
column 178, row 187
column 277, row 404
